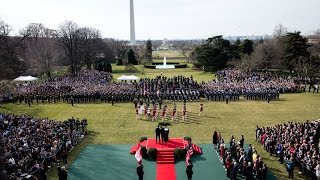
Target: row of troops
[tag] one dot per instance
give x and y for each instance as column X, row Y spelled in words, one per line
column 261, row 94
column 129, row 96
column 181, row 95
column 221, row 95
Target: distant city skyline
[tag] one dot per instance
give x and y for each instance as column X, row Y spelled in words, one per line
column 171, row 19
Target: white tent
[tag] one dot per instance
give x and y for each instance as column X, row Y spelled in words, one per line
column 128, row 78
column 25, row 78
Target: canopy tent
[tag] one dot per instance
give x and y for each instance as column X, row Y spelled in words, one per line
column 25, row 78
column 124, row 77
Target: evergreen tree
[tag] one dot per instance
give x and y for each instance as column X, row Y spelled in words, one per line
column 131, row 57
column 148, row 53
column 296, row 50
column 108, row 68
column 213, row 55
column 247, row 47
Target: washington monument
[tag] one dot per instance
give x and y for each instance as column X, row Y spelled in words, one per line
column 132, row 27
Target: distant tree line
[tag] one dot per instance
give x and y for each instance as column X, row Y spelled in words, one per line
column 37, row 49
column 287, row 51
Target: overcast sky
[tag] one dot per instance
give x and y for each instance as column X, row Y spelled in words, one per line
column 172, row 19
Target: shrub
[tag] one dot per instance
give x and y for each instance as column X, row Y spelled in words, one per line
column 187, row 138
column 144, row 151
column 108, row 68
column 150, row 66
column 179, row 153
column 168, row 63
column 119, row 62
column 181, row 66
column 143, row 139
column 152, row 153
column 164, row 124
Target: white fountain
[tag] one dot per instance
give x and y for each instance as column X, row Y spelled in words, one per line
column 164, row 65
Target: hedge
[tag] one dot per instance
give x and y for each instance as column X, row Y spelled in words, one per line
column 143, row 139
column 179, row 154
column 152, row 153
column 171, row 63
column 176, row 66
column 144, row 151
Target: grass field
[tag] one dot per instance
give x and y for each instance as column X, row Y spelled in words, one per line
column 117, row 124
column 168, row 54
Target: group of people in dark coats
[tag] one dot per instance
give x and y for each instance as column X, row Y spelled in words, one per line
column 40, row 143
column 237, row 161
column 294, row 143
column 162, row 134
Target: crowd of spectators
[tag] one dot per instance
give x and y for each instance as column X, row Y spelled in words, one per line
column 29, row 146
column 241, row 81
column 295, row 144
column 247, row 164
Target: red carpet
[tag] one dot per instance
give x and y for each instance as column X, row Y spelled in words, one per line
column 166, row 172
column 165, row 155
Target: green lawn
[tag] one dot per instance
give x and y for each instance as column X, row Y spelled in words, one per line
column 117, row 124
column 168, row 54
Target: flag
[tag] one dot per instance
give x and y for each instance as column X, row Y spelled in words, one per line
column 138, row 154
column 189, row 154
column 190, row 151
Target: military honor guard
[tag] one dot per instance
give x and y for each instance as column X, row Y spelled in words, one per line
column 164, row 112
column 174, row 112
column 184, row 112
column 201, row 109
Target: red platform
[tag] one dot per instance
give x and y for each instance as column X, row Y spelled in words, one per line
column 170, row 145
column 165, row 155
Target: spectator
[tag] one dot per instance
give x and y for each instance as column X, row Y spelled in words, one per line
column 290, row 166
column 32, row 145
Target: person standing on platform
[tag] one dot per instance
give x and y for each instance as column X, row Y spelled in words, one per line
column 189, row 170
column 162, row 134
column 158, row 131
column 166, row 134
column 140, row 172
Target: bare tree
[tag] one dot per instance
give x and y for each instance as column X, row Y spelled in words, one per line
column 42, row 51
column 69, row 41
column 280, row 31
column 118, row 47
column 91, row 45
column 11, row 52
column 266, row 55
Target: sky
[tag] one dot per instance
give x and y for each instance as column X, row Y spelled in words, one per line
column 171, row 19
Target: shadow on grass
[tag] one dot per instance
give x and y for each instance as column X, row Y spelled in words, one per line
column 195, row 158
column 34, row 110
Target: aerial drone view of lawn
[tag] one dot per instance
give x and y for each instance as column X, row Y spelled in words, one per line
column 117, row 124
